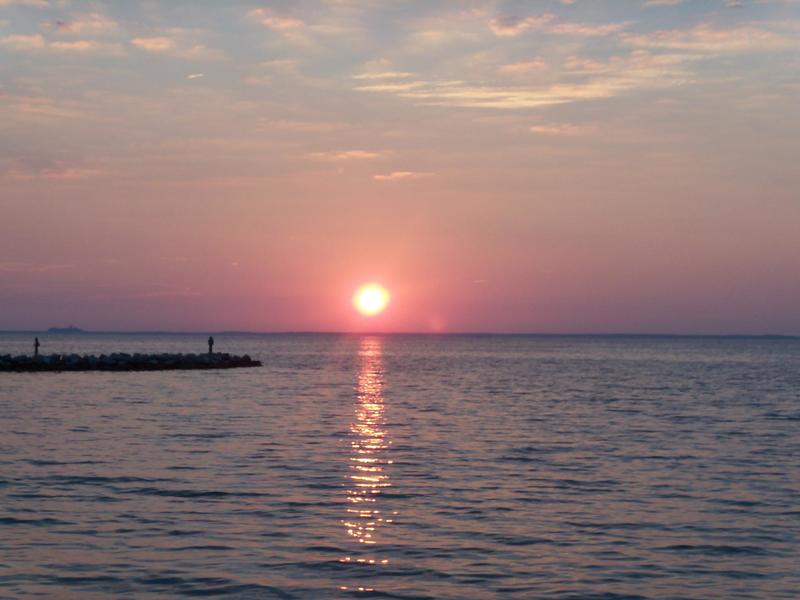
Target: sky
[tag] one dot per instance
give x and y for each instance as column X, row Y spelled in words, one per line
column 576, row 166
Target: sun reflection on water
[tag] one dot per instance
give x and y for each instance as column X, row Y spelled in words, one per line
column 369, row 441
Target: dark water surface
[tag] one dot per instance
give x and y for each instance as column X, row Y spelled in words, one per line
column 406, row 467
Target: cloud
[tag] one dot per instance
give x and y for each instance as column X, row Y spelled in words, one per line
column 278, row 67
column 257, row 80
column 66, row 174
column 89, row 24
column 585, row 65
column 42, row 108
column 344, row 155
column 33, row 3
column 560, row 129
column 706, row 38
column 381, row 68
column 23, row 42
column 621, row 74
column 402, row 175
column 384, row 75
column 300, row 126
column 512, row 26
column 86, row 46
column 195, row 75
column 269, row 19
column 663, row 2
column 22, row 267
column 200, row 52
column 527, row 66
column 167, row 291
column 587, row 29
column 280, row 64
column 77, row 45
column 423, row 40
column 459, row 93
column 43, row 169
column 154, row 44
column 35, row 42
column 168, row 45
column 401, row 88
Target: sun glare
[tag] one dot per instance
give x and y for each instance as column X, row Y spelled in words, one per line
column 371, row 299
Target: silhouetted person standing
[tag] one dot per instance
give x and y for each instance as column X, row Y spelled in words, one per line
column 36, row 345
column 210, row 345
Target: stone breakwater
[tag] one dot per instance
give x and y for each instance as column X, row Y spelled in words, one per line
column 120, row 361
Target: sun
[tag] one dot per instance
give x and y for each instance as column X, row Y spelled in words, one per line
column 370, row 299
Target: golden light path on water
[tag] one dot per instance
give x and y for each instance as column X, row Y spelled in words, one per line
column 367, row 477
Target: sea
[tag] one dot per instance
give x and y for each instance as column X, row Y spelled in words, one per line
column 406, row 466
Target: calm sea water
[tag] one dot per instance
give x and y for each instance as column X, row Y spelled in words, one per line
column 406, row 467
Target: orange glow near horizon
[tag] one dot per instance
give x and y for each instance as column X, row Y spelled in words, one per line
column 371, row 299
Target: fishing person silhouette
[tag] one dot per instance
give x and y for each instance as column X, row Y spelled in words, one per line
column 36, row 345
column 210, row 345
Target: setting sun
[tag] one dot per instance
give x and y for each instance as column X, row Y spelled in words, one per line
column 371, row 299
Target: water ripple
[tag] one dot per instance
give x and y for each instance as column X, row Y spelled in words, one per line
column 409, row 467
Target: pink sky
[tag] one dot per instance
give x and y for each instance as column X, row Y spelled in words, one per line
column 584, row 166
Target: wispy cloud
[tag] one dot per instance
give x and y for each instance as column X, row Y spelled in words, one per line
column 300, row 126
column 178, row 48
column 31, row 168
column 525, row 66
column 69, row 173
column 88, row 24
column 709, row 39
column 258, row 80
column 341, row 155
column 200, row 52
column 381, row 69
column 384, row 75
column 511, row 26
column 154, row 44
column 166, row 291
column 37, row 43
column 619, row 75
column 263, row 73
column 560, row 129
column 268, row 18
column 25, row 108
column 23, row 42
column 76, row 45
column 587, row 29
column 402, row 175
column 33, row 3
column 86, row 46
column 23, row 267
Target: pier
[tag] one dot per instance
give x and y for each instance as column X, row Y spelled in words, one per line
column 121, row 361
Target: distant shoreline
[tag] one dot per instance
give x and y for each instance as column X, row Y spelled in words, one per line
column 764, row 336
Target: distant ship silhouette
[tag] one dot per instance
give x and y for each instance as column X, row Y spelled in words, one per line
column 70, row 329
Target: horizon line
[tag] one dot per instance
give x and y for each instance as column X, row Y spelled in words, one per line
column 389, row 333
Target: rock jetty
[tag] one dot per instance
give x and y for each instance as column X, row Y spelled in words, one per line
column 120, row 361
